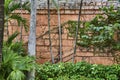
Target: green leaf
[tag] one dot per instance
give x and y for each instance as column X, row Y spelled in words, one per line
column 16, row 75
column 56, row 5
column 12, row 37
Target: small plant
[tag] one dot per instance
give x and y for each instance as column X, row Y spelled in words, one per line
column 14, row 66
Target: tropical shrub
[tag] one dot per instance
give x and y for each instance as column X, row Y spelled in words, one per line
column 78, row 71
column 16, row 46
column 14, row 65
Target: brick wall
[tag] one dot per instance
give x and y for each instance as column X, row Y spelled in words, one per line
column 42, row 47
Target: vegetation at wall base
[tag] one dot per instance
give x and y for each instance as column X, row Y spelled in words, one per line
column 78, row 71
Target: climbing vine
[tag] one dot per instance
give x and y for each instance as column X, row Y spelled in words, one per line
column 102, row 33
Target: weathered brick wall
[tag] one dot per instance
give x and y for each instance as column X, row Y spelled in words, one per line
column 42, row 47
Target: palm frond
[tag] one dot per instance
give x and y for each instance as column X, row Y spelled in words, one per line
column 7, row 2
column 14, row 65
column 16, row 75
column 9, row 57
column 12, row 37
column 11, row 6
column 20, row 20
column 18, row 48
column 26, row 6
column 56, row 5
column 25, row 63
column 6, row 6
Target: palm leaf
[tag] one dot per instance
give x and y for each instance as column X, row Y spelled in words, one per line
column 26, row 6
column 12, row 37
column 20, row 20
column 54, row 2
column 18, row 6
column 16, row 75
column 6, row 6
column 25, row 63
column 18, row 48
column 9, row 57
column 14, row 65
column 12, row 6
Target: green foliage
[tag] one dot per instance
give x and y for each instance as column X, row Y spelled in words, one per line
column 55, row 3
column 17, row 47
column 78, row 71
column 101, row 33
column 14, row 66
column 11, row 38
column 16, row 75
column 10, row 7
